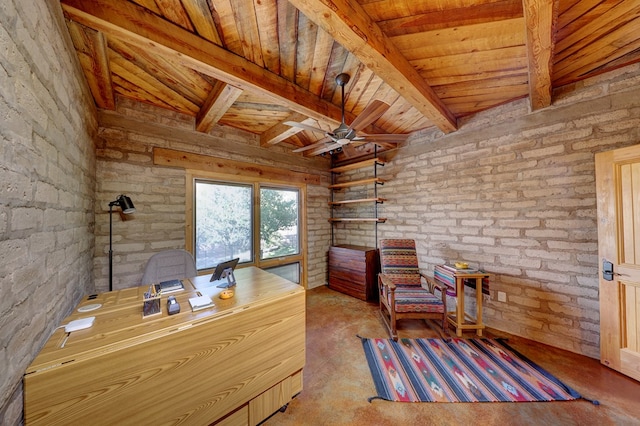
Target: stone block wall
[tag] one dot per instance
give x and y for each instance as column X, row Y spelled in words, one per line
column 514, row 193
column 125, row 166
column 47, row 182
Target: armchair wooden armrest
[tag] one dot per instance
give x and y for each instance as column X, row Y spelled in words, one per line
column 382, row 279
column 433, row 283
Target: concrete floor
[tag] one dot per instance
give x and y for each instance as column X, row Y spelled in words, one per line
column 337, row 381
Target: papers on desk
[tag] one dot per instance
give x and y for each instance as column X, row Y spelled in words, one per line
column 169, row 286
column 200, row 302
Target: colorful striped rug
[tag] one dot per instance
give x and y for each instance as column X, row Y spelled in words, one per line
column 458, row 370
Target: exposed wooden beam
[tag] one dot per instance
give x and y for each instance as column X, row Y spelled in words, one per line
column 193, row 161
column 350, row 26
column 220, row 99
column 540, row 18
column 92, row 51
column 209, row 143
column 136, row 25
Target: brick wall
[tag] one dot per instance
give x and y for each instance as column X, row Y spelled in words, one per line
column 125, row 166
column 513, row 192
column 47, row 179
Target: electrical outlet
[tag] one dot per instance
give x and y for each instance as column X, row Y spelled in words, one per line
column 502, row 296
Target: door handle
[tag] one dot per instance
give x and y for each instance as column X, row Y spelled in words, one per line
column 607, row 270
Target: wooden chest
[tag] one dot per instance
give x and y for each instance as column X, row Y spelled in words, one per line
column 353, row 270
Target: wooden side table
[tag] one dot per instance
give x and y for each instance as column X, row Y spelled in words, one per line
column 458, row 318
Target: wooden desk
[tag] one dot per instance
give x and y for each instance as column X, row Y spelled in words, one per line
column 235, row 363
column 459, row 319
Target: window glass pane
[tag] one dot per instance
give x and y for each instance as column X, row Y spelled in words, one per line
column 279, row 235
column 290, row 272
column 222, row 223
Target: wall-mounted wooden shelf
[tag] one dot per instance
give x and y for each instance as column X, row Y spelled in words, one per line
column 358, row 219
column 358, row 165
column 356, row 183
column 359, row 200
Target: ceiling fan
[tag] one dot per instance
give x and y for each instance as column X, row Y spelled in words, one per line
column 344, row 134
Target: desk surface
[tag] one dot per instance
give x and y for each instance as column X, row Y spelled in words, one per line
column 119, row 322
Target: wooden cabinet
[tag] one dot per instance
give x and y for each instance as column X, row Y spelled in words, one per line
column 353, row 270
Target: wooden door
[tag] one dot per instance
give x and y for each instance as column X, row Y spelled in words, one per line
column 618, row 198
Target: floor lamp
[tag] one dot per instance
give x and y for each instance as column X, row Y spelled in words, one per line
column 127, row 207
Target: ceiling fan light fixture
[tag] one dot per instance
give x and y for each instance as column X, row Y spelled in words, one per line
column 343, row 141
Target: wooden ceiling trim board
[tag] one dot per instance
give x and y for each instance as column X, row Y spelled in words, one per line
column 287, row 38
column 460, row 40
column 485, row 86
column 245, row 18
column 124, row 20
column 200, row 15
column 540, row 20
column 571, row 11
column 129, row 90
column 479, row 78
column 320, row 62
column 455, row 17
column 472, row 107
column 566, row 6
column 595, row 29
column 383, row 10
column 590, row 13
column 149, row 4
column 174, row 12
column 495, row 95
column 366, row 95
column 610, row 38
column 348, row 23
column 267, row 18
column 191, row 83
column 307, row 32
column 92, row 47
column 228, row 32
column 357, row 85
column 487, row 60
column 602, row 52
column 138, row 76
column 220, row 99
column 342, row 61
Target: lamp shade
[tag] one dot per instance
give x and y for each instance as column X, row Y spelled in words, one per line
column 125, row 204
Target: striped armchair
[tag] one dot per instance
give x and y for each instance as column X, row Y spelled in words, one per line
column 402, row 295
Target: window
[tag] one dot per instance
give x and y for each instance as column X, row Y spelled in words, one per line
column 223, row 228
column 279, row 218
column 258, row 222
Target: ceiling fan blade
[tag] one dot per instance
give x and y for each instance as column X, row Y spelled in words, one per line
column 320, row 143
column 371, row 113
column 305, row 127
column 326, row 148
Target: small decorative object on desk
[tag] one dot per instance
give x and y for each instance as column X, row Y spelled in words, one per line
column 151, row 302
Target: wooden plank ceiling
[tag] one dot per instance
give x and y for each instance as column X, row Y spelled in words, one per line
column 256, row 64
